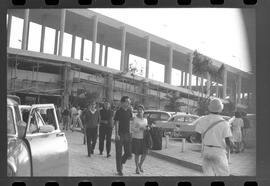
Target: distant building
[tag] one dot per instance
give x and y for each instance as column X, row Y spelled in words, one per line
column 42, row 76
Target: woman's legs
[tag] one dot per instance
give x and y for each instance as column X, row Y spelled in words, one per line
column 141, row 162
column 137, row 163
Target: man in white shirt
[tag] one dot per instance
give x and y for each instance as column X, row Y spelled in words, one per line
column 215, row 134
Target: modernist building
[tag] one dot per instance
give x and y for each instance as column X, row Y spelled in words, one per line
column 43, row 76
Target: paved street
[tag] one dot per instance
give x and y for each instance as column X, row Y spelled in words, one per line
column 98, row 165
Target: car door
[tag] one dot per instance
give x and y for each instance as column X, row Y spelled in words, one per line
column 49, row 149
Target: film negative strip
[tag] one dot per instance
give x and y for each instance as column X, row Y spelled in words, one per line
column 149, row 77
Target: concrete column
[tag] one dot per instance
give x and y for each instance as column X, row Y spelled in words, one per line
column 42, row 38
column 106, row 57
column 190, row 66
column 94, row 37
column 100, row 54
column 168, row 68
column 224, row 94
column 109, row 89
column 123, row 50
column 56, row 42
column 182, row 79
column 239, row 88
column 82, row 49
column 62, row 30
column 73, row 46
column 197, row 81
column 25, row 29
column 144, row 92
column 9, row 29
column 68, row 78
column 126, row 64
column 186, row 79
column 148, row 54
column 208, row 87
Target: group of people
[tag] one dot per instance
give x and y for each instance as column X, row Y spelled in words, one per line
column 219, row 137
column 131, row 133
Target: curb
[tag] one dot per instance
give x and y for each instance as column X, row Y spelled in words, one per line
column 167, row 158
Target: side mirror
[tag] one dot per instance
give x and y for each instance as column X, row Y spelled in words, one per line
column 21, row 126
column 46, row 129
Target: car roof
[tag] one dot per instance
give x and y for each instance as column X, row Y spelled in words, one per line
column 157, row 111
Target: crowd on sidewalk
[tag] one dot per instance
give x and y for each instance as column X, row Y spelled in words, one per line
column 132, row 134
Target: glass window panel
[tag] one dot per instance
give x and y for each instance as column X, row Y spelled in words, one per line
column 78, row 45
column 16, row 32
column 139, row 63
column 156, row 71
column 114, row 58
column 87, row 51
column 49, row 40
column 67, row 42
column 34, row 38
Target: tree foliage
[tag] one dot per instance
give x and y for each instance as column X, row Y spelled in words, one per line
column 174, row 105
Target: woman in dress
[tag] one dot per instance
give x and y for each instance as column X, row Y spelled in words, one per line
column 139, row 147
column 237, row 126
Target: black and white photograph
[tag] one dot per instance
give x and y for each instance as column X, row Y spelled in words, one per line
column 138, row 92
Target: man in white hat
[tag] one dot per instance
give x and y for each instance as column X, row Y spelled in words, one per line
column 215, row 134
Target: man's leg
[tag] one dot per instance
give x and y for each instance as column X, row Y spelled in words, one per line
column 108, row 140
column 94, row 139
column 127, row 147
column 118, row 153
column 88, row 141
column 101, row 138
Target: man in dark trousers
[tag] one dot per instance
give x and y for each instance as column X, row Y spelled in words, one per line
column 122, row 133
column 105, row 128
column 91, row 119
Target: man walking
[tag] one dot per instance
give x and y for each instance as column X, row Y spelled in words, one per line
column 105, row 128
column 122, row 133
column 91, row 119
column 215, row 134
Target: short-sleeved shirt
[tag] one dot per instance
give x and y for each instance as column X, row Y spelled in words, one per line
column 138, row 126
column 123, row 117
column 217, row 134
column 237, row 124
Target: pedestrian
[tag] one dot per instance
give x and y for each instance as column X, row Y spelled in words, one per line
column 139, row 146
column 237, row 126
column 122, row 120
column 105, row 128
column 215, row 134
column 65, row 117
column 246, row 125
column 73, row 113
column 91, row 120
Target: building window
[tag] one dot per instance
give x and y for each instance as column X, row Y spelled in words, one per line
column 16, row 32
column 34, row 38
column 49, row 40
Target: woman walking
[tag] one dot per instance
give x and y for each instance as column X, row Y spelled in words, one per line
column 139, row 146
column 237, row 126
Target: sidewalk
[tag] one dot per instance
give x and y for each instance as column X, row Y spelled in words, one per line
column 241, row 164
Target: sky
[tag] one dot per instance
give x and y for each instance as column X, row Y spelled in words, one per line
column 217, row 33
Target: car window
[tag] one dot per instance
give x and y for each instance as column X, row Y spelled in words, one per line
column 154, row 116
column 10, row 122
column 179, row 119
column 33, row 126
column 146, row 115
column 48, row 116
column 164, row 116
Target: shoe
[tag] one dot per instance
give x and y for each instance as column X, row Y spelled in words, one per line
column 101, row 153
column 108, row 155
column 89, row 155
column 140, row 168
column 137, row 171
column 120, row 173
column 92, row 152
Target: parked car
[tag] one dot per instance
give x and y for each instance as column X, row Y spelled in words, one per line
column 175, row 122
column 156, row 115
column 36, row 145
column 188, row 130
